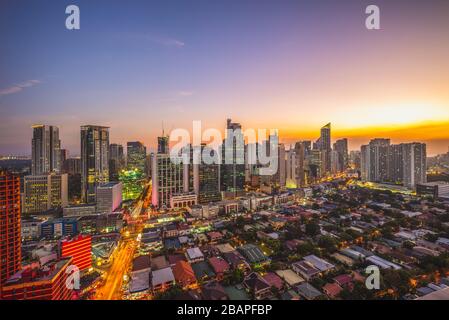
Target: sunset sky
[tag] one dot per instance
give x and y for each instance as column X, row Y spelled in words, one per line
column 290, row 65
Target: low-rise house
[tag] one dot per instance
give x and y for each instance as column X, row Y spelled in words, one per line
column 162, row 279
column 173, row 258
column 332, row 290
column 214, row 236
column 237, row 261
column 273, row 280
column 382, row 263
column 159, row 262
column 257, row 286
column 203, row 271
column 305, row 269
column 140, row 274
column 194, row 255
column 184, row 274
column 253, row 254
column 289, row 277
column 319, row 263
column 344, row 280
column 220, row 266
column 308, row 292
column 214, row 291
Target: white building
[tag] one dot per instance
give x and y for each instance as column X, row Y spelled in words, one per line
column 109, row 197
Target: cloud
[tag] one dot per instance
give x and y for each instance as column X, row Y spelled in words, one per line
column 185, row 93
column 157, row 39
column 19, row 87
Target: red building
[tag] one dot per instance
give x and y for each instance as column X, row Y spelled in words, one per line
column 43, row 283
column 10, row 238
column 79, row 248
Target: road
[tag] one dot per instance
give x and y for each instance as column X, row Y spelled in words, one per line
column 112, row 289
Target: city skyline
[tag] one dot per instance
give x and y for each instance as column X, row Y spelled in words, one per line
column 292, row 67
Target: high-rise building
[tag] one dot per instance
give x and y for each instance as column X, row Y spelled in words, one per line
column 45, row 150
column 341, row 147
column 72, row 166
column 116, row 161
column 45, row 192
column 109, row 197
column 374, row 161
column 206, row 179
column 10, row 241
column 395, row 164
column 300, row 150
column 79, row 248
column 136, row 155
column 233, row 159
column 403, row 163
column 415, row 165
column 94, row 160
column 167, row 180
column 324, row 145
column 162, row 144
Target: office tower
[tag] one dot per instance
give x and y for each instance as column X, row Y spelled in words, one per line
column 10, row 241
column 109, row 197
column 415, row 166
column 280, row 175
column 63, row 156
column 316, row 163
column 233, row 159
column 207, row 179
column 45, row 192
column 162, row 144
column 335, row 163
column 324, row 145
column 300, row 150
column 375, row 160
column 167, row 180
column 290, row 168
column 116, row 161
column 341, row 147
column 94, row 160
column 148, row 164
column 45, row 150
column 136, row 155
column 72, row 166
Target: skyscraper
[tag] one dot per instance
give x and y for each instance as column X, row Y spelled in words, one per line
column 45, row 150
column 415, row 165
column 233, row 167
column 341, row 147
column 10, row 253
column 206, row 180
column 116, row 161
column 136, row 155
column 374, row 161
column 94, row 160
column 162, row 144
column 168, row 177
column 324, row 145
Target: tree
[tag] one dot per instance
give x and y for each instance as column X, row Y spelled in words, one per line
column 328, row 243
column 312, row 229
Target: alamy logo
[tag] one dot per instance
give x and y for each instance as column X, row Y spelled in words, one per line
column 73, row 279
column 373, row 279
column 372, row 22
column 72, row 22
